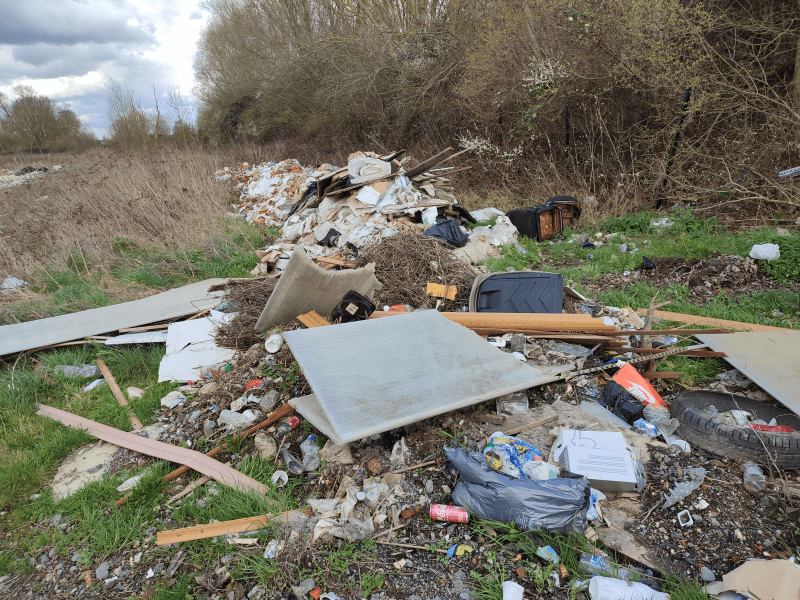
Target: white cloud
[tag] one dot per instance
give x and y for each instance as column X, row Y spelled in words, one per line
column 74, row 54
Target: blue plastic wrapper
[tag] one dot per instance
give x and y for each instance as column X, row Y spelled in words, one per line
column 558, row 505
column 646, row 428
column 508, row 454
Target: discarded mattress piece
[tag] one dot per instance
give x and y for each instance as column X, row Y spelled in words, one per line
column 518, row 292
column 191, row 346
column 194, row 460
column 376, row 375
column 186, row 300
column 304, row 287
column 559, row 505
column 770, row 358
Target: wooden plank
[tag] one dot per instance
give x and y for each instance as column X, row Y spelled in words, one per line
column 489, row 418
column 191, row 458
column 495, row 323
column 532, row 425
column 145, row 328
column 438, row 290
column 189, row 489
column 430, row 163
column 335, row 261
column 313, row 319
column 199, row 532
column 721, row 323
column 283, row 411
column 662, row 375
column 112, row 383
column 703, row 353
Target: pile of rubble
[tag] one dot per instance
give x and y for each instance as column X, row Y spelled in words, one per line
column 11, row 178
column 407, row 409
column 336, row 211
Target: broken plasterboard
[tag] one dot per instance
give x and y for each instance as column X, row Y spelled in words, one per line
column 376, row 375
column 175, row 303
column 190, row 346
column 304, row 287
column 770, row 358
column 142, row 337
column 144, row 445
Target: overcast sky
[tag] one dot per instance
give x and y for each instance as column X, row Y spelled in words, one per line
column 71, row 50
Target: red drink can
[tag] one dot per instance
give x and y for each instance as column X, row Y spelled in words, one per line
column 443, row 512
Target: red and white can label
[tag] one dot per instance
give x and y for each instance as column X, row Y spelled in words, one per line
column 443, row 512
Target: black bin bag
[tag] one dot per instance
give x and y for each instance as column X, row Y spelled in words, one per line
column 449, row 233
column 558, row 505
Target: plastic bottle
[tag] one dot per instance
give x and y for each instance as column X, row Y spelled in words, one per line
column 213, row 370
column 294, row 465
column 310, row 452
column 660, row 417
column 286, row 426
column 608, row 588
column 753, row 477
column 597, row 565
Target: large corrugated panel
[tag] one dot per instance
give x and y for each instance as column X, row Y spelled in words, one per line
column 770, row 358
column 175, row 303
column 376, row 375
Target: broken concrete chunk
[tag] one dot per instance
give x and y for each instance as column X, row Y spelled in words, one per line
column 134, row 392
column 268, row 401
column 266, row 445
column 172, row 400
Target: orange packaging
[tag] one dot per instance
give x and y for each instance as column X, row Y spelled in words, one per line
column 637, row 386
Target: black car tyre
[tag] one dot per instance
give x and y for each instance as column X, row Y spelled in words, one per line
column 732, row 441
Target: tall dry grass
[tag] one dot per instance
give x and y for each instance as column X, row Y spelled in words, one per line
column 72, row 218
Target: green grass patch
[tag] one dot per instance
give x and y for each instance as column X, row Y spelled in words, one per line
column 133, row 270
column 505, row 541
column 31, row 447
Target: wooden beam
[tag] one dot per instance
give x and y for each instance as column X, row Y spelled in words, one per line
column 430, row 163
column 494, row 323
column 532, row 425
column 721, row 323
column 112, row 383
column 662, row 375
column 489, row 418
column 703, row 353
column 199, row 532
column 131, row 441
